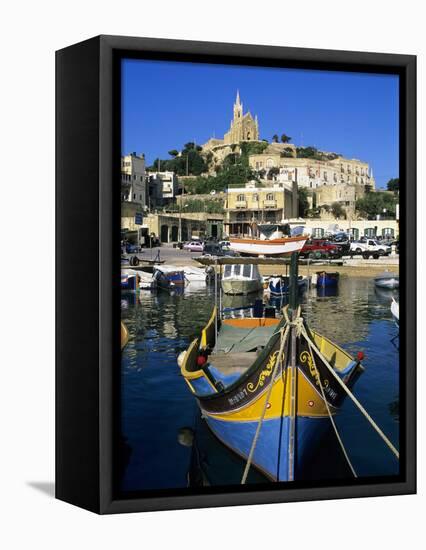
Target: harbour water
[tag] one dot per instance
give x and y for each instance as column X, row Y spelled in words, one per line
column 159, row 413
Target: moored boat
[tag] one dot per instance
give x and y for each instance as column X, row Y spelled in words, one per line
column 124, row 335
column 130, row 279
column 167, row 279
column 279, row 285
column 387, row 280
column 241, row 279
column 268, row 240
column 395, row 311
column 265, row 389
column 327, row 279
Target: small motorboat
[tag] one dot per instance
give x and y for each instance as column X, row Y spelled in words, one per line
column 242, row 279
column 146, row 281
column 327, row 279
column 130, row 280
column 279, row 285
column 168, row 279
column 395, row 311
column 387, row 280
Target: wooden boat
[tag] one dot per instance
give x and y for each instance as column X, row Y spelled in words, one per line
column 124, row 335
column 167, row 279
column 268, row 240
column 327, row 279
column 387, row 280
column 279, row 285
column 130, row 279
column 241, row 279
column 264, row 387
column 395, row 311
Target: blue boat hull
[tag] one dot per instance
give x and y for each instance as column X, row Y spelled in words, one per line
column 328, row 279
column 271, row 452
column 282, row 288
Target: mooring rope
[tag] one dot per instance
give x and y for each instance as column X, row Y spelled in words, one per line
column 352, row 397
column 265, row 406
column 339, row 439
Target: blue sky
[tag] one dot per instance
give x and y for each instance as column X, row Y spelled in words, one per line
column 166, row 104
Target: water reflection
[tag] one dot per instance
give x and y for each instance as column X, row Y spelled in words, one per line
column 157, row 405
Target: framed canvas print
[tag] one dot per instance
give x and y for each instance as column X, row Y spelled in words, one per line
column 236, row 284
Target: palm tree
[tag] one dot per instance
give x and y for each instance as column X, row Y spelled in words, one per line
column 275, row 138
column 285, row 138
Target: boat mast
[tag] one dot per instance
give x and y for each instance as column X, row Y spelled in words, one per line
column 292, row 366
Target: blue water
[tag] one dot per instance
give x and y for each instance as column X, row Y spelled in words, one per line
column 156, row 403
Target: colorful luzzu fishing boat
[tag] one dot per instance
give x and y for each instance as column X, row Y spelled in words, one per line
column 268, row 388
column 269, row 240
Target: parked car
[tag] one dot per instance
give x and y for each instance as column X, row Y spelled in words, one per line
column 320, row 248
column 226, row 245
column 342, row 242
column 215, row 249
column 370, row 247
column 194, row 246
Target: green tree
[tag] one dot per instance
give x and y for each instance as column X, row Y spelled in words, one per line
column 275, row 138
column 274, row 171
column 337, row 210
column 285, row 138
column 393, row 185
column 173, row 152
column 303, row 202
column 376, row 203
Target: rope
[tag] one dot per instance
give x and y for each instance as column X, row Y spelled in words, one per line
column 259, row 425
column 339, row 439
column 352, row 397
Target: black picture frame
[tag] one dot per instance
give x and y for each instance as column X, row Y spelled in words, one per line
column 87, row 305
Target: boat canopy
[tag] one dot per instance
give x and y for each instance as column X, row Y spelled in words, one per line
column 238, row 271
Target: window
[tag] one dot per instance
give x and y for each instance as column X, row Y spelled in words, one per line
column 134, row 196
column 247, row 270
column 269, row 163
column 270, row 197
column 370, row 232
column 237, row 270
column 388, row 232
column 241, row 198
column 228, row 270
column 354, row 232
column 255, row 197
column 318, row 233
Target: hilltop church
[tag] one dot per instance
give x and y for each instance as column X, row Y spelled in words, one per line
column 243, row 128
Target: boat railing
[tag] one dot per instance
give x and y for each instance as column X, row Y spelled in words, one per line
column 208, row 334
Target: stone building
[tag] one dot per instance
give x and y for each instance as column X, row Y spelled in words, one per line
column 243, row 128
column 263, row 203
column 311, row 173
column 162, row 188
column 133, row 184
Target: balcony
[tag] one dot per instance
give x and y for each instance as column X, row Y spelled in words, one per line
column 269, row 204
column 240, row 204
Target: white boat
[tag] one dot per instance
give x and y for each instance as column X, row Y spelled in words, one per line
column 395, row 310
column 240, row 279
column 269, row 240
column 146, row 281
column 387, row 280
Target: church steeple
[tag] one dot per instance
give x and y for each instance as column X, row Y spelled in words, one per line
column 238, row 107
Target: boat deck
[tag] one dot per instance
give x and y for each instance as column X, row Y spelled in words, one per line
column 233, row 340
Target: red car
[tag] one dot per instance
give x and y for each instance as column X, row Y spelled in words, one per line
column 320, row 248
